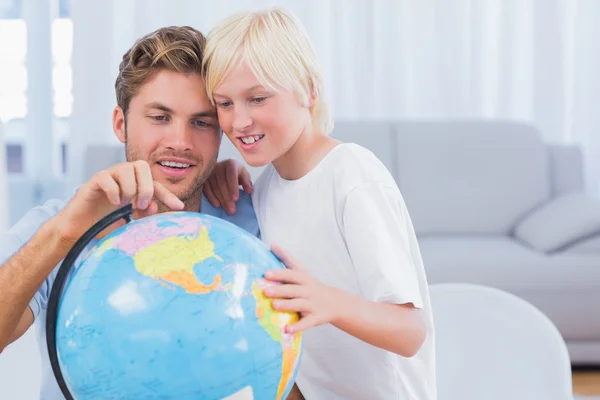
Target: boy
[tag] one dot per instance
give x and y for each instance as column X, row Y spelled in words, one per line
column 358, row 281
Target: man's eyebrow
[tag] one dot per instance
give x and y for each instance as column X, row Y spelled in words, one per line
column 206, row 113
column 159, row 106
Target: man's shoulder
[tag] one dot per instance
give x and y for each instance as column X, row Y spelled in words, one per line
column 244, row 216
column 29, row 223
column 21, row 232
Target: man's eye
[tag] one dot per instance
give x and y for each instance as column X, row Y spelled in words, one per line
column 202, row 124
column 159, row 117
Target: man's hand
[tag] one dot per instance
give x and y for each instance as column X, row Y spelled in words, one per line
column 108, row 190
column 222, row 186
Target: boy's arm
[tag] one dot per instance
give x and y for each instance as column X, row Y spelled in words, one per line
column 386, row 258
column 387, row 264
column 394, row 327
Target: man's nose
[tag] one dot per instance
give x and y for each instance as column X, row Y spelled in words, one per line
column 242, row 119
column 179, row 137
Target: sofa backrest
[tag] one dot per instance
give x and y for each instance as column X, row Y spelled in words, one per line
column 457, row 177
column 101, row 156
column 377, row 136
column 567, row 169
column 470, row 177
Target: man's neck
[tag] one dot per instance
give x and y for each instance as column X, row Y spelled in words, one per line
column 195, row 206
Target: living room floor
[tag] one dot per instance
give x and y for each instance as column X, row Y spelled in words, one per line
column 586, row 382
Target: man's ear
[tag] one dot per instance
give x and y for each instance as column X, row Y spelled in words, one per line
column 118, row 120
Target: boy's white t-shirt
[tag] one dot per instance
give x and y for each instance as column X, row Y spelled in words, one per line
column 347, row 224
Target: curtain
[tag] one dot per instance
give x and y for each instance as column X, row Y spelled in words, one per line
column 534, row 61
column 4, row 198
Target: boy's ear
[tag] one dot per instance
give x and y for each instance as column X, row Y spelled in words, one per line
column 311, row 99
column 118, row 120
column 312, row 94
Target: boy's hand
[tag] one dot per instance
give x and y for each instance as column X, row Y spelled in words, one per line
column 316, row 302
column 222, row 186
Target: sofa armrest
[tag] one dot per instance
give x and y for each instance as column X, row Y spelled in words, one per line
column 562, row 223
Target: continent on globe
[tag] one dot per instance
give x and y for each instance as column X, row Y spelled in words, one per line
column 173, row 306
column 274, row 322
column 161, row 255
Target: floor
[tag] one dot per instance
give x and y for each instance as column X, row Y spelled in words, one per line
column 586, row 382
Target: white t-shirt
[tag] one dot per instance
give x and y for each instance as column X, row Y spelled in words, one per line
column 347, row 223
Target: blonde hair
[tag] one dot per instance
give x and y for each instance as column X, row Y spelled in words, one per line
column 174, row 48
column 276, row 47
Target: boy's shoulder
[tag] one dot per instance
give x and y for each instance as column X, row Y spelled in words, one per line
column 352, row 165
column 346, row 167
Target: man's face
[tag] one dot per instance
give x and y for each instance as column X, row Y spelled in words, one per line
column 172, row 124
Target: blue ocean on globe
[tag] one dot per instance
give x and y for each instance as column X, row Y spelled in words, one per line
column 172, row 307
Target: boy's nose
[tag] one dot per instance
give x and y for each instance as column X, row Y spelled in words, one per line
column 241, row 119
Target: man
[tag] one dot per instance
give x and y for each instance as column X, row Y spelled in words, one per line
column 171, row 136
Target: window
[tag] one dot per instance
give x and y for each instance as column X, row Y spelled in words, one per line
column 13, row 80
column 13, row 72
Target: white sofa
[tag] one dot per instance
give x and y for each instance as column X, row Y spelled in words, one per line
column 493, row 204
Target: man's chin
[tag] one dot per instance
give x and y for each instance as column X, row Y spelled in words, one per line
column 162, row 208
column 190, row 196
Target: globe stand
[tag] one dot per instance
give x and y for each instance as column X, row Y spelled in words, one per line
column 57, row 288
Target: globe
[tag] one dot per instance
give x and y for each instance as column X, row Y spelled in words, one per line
column 171, row 306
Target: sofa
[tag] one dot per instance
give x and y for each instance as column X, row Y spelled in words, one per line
column 492, row 204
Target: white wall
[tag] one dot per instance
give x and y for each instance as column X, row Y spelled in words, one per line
column 20, row 369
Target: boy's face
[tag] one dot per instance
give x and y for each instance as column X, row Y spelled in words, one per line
column 261, row 123
column 172, row 124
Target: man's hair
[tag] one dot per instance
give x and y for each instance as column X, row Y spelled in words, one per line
column 174, row 48
column 277, row 48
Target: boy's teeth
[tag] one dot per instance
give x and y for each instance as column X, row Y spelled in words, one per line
column 173, row 164
column 251, row 139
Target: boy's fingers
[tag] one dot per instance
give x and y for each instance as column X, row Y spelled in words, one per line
column 210, row 194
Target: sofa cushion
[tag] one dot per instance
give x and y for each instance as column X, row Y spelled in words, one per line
column 561, row 223
column 564, row 286
column 470, row 177
column 504, row 263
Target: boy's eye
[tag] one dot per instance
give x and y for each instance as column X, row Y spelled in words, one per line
column 259, row 99
column 224, row 104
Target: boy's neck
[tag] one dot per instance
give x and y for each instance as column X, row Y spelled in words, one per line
column 310, row 148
